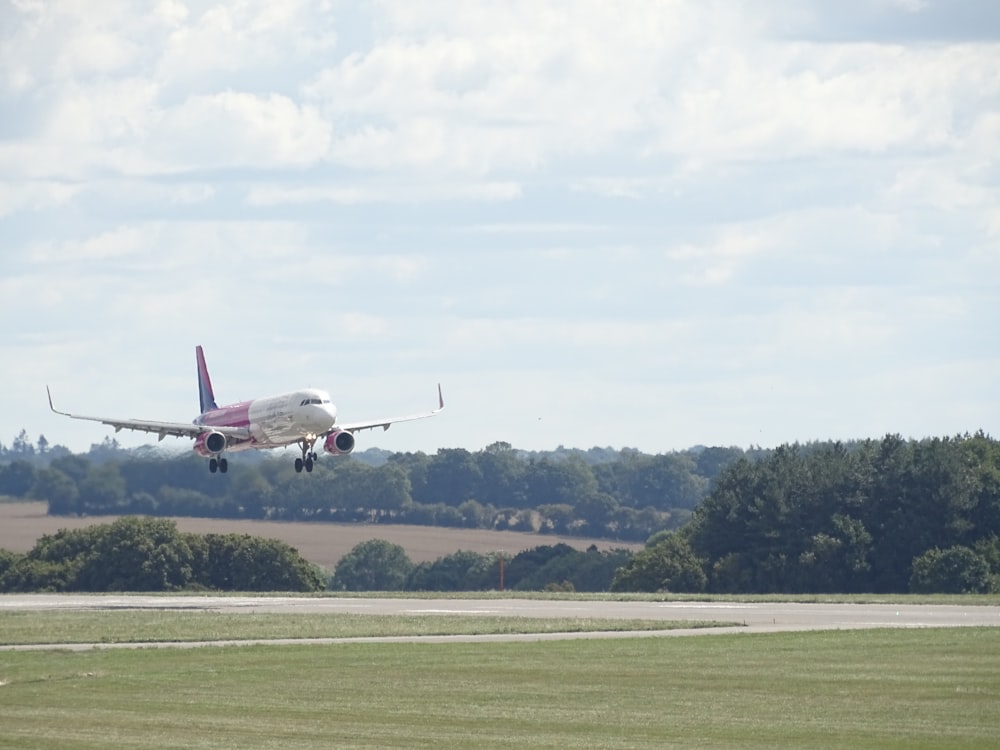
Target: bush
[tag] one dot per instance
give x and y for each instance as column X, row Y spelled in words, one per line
column 956, row 570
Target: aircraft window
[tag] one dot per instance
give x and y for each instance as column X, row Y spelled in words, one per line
column 307, row 401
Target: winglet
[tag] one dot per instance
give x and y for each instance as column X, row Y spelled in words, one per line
column 53, row 408
column 440, row 400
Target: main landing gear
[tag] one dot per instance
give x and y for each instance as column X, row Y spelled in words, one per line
column 220, row 465
column 308, row 456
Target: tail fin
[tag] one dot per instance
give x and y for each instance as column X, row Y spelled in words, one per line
column 205, row 393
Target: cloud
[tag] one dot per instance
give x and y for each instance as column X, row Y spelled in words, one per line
column 705, row 219
column 233, row 129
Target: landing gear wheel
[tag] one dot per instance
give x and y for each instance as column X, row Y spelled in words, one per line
column 213, row 465
column 309, row 457
column 223, row 465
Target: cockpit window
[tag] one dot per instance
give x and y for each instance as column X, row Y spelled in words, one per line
column 307, row 401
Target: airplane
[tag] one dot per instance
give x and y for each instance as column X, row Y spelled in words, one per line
column 300, row 417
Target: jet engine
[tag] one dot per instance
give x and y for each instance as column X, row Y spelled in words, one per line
column 210, row 444
column 339, row 442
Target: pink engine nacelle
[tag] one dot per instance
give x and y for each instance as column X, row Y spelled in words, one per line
column 339, row 443
column 210, row 444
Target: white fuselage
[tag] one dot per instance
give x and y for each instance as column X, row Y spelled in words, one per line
column 276, row 420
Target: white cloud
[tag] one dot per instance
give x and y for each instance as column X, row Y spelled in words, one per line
column 396, row 191
column 34, row 195
column 233, row 129
column 716, row 263
column 733, row 217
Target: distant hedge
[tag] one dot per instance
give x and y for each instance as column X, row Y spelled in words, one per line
column 150, row 554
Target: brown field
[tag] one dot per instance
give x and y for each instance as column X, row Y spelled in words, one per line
column 21, row 524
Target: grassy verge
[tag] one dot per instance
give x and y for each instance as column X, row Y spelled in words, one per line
column 887, row 689
column 980, row 600
column 983, row 600
column 142, row 626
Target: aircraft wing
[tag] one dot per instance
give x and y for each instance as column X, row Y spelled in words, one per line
column 162, row 429
column 385, row 423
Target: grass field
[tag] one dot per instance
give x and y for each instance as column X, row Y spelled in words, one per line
column 923, row 688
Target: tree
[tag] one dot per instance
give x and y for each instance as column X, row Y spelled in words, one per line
column 8, row 560
column 665, row 481
column 597, row 511
column 374, row 565
column 570, row 569
column 564, row 482
column 503, row 475
column 17, row 478
column 137, row 554
column 22, row 445
column 148, row 554
column 956, row 570
column 102, row 491
column 240, row 562
column 59, row 490
column 669, row 565
column 459, row 571
column 453, row 477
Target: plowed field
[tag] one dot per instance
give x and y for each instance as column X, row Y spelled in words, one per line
column 21, row 524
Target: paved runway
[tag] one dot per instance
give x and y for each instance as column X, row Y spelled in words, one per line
column 757, row 617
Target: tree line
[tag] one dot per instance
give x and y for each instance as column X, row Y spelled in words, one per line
column 151, row 554
column 877, row 516
column 889, row 515
column 378, row 565
column 624, row 495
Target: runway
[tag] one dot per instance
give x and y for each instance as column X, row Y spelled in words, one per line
column 750, row 617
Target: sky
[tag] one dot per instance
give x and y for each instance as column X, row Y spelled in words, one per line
column 654, row 224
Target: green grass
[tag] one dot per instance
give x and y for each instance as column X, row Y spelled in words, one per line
column 143, row 626
column 984, row 600
column 921, row 688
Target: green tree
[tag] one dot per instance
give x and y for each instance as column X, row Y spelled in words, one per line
column 16, row 478
column 389, row 490
column 147, row 554
column 374, row 565
column 61, row 493
column 7, row 561
column 503, row 476
column 564, row 482
column 459, row 571
column 669, row 565
column 665, row 481
column 102, row 491
column 956, row 570
column 137, row 554
column 249, row 494
column 575, row 570
column 241, row 562
column 453, row 477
